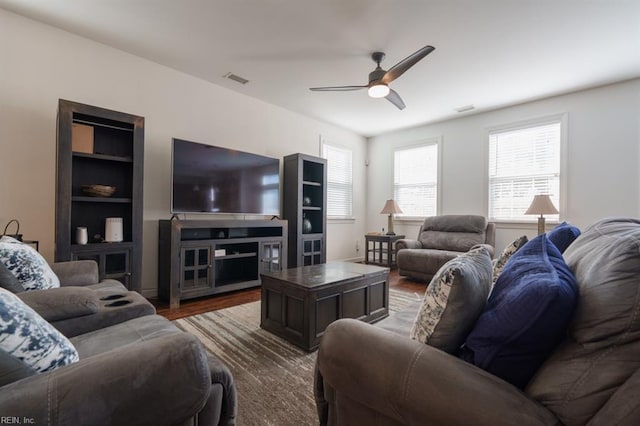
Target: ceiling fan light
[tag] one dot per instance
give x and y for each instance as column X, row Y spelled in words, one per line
column 378, row 90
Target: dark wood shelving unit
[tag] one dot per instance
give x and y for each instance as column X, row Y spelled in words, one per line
column 116, row 159
column 305, row 208
column 190, row 264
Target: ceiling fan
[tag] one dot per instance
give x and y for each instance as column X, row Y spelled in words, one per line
column 379, row 79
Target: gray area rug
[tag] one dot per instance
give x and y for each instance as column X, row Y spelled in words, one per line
column 274, row 378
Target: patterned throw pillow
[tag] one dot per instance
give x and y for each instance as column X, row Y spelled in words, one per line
column 453, row 301
column 506, row 254
column 26, row 264
column 27, row 336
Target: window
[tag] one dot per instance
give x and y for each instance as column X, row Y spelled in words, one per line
column 339, row 181
column 415, row 180
column 523, row 162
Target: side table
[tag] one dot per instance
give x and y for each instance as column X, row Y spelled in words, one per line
column 380, row 249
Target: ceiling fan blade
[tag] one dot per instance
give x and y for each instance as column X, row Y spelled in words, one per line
column 398, row 69
column 395, row 99
column 337, row 88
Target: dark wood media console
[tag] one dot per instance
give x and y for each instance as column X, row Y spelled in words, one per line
column 203, row 257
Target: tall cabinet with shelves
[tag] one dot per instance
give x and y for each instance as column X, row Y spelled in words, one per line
column 305, row 208
column 97, row 146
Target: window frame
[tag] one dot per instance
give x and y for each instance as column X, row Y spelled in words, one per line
column 338, row 147
column 563, row 119
column 435, row 140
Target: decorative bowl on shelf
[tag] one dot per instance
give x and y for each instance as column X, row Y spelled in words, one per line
column 99, row 190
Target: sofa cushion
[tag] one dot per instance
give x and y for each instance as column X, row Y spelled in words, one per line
column 9, row 281
column 453, row 301
column 126, row 333
column 500, row 262
column 28, row 337
column 563, row 235
column 601, row 350
column 526, row 315
column 402, row 321
column 453, row 232
column 27, row 265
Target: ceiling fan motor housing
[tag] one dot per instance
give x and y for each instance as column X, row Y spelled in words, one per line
column 376, row 75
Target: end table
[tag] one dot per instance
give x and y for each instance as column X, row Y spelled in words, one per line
column 380, row 249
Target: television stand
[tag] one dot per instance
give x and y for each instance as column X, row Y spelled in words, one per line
column 199, row 258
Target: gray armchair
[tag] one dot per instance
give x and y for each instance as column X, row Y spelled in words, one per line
column 143, row 371
column 440, row 239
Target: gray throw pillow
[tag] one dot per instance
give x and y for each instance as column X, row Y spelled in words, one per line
column 27, row 265
column 29, row 338
column 453, row 301
column 9, row 281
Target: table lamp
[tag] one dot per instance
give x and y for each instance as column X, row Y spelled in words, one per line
column 390, row 207
column 541, row 205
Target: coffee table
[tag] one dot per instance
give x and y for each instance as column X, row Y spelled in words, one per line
column 299, row 303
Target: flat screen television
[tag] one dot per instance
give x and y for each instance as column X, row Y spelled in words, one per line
column 212, row 179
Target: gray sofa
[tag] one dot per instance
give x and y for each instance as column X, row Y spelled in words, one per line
column 135, row 368
column 440, row 239
column 592, row 377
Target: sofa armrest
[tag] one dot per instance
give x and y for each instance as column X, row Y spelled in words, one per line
column 411, row 383
column 56, row 304
column 406, row 243
column 164, row 380
column 77, row 272
column 622, row 408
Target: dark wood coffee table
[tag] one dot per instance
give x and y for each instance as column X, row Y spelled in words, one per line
column 299, row 303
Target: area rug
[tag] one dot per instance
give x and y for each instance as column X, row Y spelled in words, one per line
column 274, row 378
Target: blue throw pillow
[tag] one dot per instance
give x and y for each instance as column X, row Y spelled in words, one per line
column 563, row 235
column 526, row 315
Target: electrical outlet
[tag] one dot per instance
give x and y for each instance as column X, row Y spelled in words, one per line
column 357, row 246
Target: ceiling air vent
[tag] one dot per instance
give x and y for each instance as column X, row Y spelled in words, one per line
column 236, row 78
column 465, row 108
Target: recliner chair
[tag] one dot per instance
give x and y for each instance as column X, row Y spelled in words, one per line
column 135, row 367
column 440, row 239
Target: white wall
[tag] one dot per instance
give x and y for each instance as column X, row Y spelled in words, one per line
column 602, row 177
column 40, row 64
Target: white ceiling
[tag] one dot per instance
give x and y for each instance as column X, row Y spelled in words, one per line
column 489, row 53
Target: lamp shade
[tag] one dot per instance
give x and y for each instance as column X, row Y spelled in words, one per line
column 541, row 204
column 391, row 207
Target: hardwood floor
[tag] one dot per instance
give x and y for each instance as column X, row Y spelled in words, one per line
column 213, row 303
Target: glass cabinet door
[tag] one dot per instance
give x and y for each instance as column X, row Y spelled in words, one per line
column 196, row 267
column 270, row 256
column 312, row 251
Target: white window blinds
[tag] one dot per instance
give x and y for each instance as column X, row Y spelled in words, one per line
column 522, row 163
column 415, row 172
column 339, row 181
